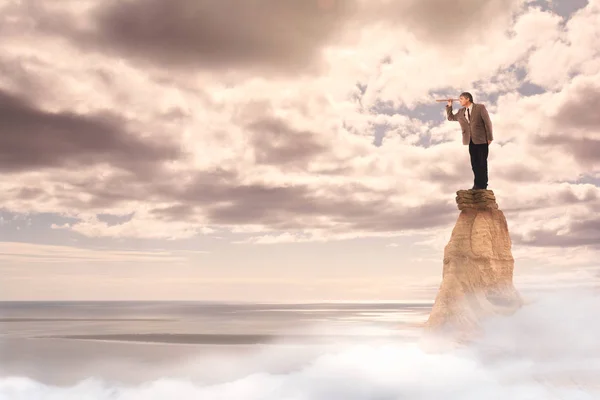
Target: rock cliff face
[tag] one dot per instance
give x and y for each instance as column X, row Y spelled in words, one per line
column 478, row 267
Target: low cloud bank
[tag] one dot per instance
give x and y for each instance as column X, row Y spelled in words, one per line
column 547, row 350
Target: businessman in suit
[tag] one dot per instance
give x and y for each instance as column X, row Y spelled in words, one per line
column 476, row 128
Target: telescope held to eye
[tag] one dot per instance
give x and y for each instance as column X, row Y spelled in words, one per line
column 447, row 100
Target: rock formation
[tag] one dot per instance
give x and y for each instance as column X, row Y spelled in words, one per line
column 478, row 267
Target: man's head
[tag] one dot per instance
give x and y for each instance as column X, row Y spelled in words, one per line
column 465, row 99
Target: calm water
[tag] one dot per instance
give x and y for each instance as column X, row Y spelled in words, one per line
column 65, row 342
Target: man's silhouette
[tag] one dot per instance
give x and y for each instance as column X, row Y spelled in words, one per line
column 476, row 132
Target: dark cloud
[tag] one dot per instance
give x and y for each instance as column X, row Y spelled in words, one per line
column 566, row 196
column 112, row 220
column 273, row 139
column 29, row 193
column 34, row 139
column 176, row 212
column 589, row 226
column 580, row 233
column 576, row 112
column 275, row 142
column 441, row 21
column 269, row 36
column 120, row 187
column 454, row 175
column 220, row 197
column 516, row 173
column 560, row 198
column 224, row 33
column 584, row 150
column 575, row 128
column 290, row 207
column 225, row 200
column 388, row 218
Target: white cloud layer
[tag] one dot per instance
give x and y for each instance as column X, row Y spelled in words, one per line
column 546, row 350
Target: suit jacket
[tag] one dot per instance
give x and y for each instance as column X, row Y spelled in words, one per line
column 479, row 129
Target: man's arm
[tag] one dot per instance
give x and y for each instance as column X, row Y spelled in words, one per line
column 451, row 116
column 487, row 122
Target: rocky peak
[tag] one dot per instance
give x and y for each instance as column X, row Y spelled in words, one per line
column 477, row 278
column 476, row 199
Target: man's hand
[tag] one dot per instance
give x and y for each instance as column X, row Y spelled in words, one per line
column 450, row 102
column 489, row 141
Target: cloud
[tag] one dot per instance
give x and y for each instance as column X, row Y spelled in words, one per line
column 574, row 111
column 567, row 219
column 446, row 23
column 275, row 143
column 220, row 200
column 576, row 129
column 584, row 150
column 286, row 157
column 270, row 36
column 567, row 50
column 570, row 131
column 34, row 139
column 571, row 229
column 274, row 35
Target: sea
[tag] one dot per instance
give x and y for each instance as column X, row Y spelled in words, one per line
column 219, row 350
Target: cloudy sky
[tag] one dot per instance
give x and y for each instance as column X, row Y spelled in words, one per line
column 286, row 150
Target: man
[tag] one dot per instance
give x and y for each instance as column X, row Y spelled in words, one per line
column 477, row 133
